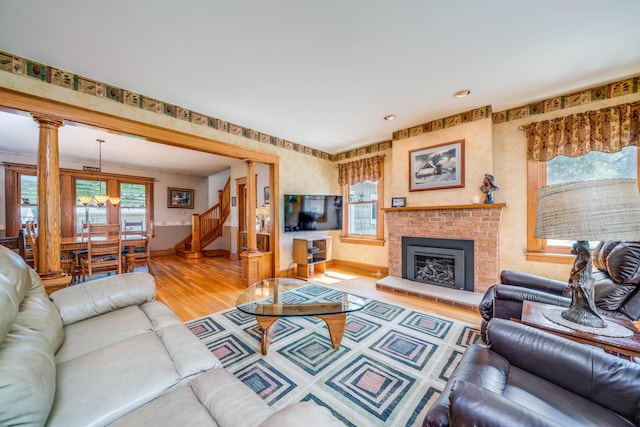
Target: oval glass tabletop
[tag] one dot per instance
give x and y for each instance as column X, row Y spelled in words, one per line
column 284, row 297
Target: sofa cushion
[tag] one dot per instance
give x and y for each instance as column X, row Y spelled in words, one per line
column 101, row 296
column 101, row 386
column 557, row 403
column 229, row 401
column 102, row 331
column 620, row 260
column 305, row 414
column 179, row 408
column 609, row 295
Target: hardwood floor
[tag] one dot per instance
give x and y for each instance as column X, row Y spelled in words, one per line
column 194, row 288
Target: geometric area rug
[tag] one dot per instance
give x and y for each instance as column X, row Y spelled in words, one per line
column 392, row 364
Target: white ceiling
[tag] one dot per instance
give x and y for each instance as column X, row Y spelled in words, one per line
column 325, row 73
column 19, row 134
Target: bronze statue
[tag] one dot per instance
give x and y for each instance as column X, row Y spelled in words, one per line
column 582, row 309
column 488, row 188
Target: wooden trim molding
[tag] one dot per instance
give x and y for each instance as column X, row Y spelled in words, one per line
column 443, row 207
column 45, row 107
column 369, row 268
column 354, row 240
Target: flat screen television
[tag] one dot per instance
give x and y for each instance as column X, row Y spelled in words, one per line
column 308, row 212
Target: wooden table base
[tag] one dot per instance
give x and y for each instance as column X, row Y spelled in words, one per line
column 335, row 322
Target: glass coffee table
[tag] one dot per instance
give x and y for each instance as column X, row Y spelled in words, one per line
column 272, row 299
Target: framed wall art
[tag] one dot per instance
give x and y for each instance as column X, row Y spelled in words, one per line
column 267, row 195
column 437, row 167
column 398, row 202
column 180, row 198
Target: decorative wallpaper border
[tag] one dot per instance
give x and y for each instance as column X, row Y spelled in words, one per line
column 444, row 123
column 26, row 67
column 363, row 151
column 598, row 93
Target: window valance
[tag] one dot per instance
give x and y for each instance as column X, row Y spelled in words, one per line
column 369, row 169
column 607, row 130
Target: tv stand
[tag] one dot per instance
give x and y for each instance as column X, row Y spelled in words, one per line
column 310, row 255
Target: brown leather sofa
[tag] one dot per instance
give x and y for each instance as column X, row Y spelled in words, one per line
column 528, row 377
column 616, row 289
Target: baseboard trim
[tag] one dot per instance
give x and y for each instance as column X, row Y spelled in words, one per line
column 367, row 268
column 163, row 252
column 217, row 252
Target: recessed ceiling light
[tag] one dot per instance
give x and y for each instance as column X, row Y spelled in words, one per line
column 390, row 117
column 462, row 93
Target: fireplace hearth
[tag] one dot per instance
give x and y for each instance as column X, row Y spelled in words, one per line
column 441, row 262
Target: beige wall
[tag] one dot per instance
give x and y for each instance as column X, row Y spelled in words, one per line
column 478, row 160
column 367, row 254
column 304, row 174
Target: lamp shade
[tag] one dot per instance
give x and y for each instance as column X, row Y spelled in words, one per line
column 607, row 209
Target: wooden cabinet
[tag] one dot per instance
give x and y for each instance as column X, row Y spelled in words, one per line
column 311, row 254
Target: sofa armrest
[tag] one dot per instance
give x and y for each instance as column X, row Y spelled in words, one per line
column 472, row 405
column 605, row 379
column 96, row 297
column 531, row 281
column 305, row 414
column 478, row 365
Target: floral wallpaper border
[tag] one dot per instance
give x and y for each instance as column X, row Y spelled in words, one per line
column 444, row 123
column 26, row 67
column 599, row 93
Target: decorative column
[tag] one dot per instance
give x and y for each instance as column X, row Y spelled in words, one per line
column 252, row 259
column 252, row 239
column 48, row 246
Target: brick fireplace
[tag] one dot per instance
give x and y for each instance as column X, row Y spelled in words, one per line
column 478, row 222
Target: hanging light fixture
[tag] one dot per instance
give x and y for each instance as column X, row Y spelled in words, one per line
column 100, row 199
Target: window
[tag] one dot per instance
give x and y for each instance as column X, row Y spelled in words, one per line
column 28, row 198
column 561, row 169
column 22, row 203
column 133, row 204
column 91, row 212
column 363, row 221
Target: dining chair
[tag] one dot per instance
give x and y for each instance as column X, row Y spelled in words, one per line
column 31, row 251
column 79, row 256
column 17, row 243
column 143, row 254
column 133, row 227
column 104, row 248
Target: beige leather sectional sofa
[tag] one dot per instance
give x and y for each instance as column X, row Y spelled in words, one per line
column 106, row 353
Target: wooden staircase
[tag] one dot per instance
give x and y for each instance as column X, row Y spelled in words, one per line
column 207, row 226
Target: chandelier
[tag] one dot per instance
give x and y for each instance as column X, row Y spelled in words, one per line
column 100, row 199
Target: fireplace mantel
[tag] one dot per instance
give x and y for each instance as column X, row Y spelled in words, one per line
column 437, row 208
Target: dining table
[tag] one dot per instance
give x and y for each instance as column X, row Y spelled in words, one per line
column 69, row 245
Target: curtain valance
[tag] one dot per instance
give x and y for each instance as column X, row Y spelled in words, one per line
column 608, row 130
column 369, row 169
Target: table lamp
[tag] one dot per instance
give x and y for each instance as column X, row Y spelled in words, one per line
column 596, row 210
